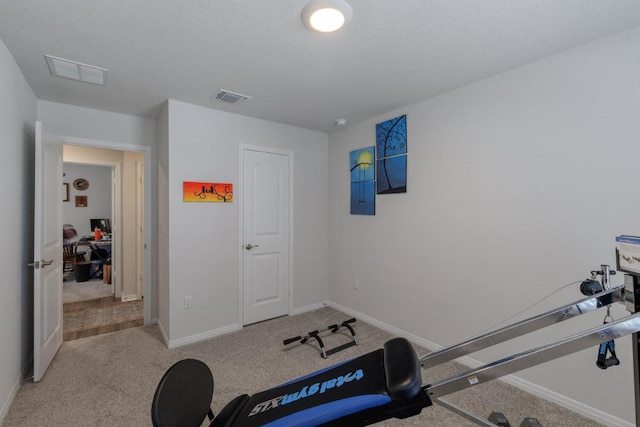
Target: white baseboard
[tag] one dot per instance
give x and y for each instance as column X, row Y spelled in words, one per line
column 386, row 327
column 165, row 337
column 307, row 308
column 14, row 391
column 6, row 405
column 203, row 336
column 527, row 386
column 559, row 399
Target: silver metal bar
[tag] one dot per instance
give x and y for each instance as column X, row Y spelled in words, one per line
column 536, row 356
column 632, row 291
column 606, row 277
column 635, row 341
column 468, row 415
column 515, row 330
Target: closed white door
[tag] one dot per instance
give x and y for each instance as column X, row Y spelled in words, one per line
column 266, row 230
column 47, row 253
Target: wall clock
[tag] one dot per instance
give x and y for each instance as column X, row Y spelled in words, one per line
column 80, row 184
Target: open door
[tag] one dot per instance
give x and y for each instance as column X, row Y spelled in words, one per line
column 47, row 253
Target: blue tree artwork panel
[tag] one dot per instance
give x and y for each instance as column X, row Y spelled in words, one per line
column 363, row 188
column 392, row 175
column 391, row 137
column 391, row 150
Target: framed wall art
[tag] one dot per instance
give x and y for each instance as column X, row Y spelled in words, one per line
column 363, row 189
column 81, row 202
column 391, row 150
column 207, row 192
column 80, row 184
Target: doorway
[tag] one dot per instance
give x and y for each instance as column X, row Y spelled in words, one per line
column 266, row 217
column 108, row 295
column 85, row 208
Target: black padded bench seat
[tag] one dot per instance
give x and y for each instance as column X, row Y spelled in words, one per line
column 386, row 383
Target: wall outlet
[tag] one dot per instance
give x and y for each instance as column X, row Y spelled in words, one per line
column 356, row 284
column 187, row 302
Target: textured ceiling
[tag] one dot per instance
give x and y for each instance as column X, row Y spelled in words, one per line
column 394, row 52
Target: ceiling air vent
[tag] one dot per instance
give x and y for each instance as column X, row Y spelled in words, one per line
column 230, row 97
column 76, row 71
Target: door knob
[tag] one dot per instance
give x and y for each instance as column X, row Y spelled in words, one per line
column 249, row 246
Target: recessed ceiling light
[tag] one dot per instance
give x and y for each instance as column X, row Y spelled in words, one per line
column 326, row 16
column 341, row 122
column 76, row 71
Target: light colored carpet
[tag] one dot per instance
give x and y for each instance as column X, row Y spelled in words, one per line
column 109, row 380
column 73, row 291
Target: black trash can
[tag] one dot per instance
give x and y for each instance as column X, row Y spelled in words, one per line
column 82, row 271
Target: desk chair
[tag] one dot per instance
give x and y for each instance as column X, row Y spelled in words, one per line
column 71, row 256
column 183, row 397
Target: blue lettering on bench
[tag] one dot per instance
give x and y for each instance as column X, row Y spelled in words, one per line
column 306, row 391
column 331, row 411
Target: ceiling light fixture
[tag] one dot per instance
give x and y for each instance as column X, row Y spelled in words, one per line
column 76, row 71
column 326, row 16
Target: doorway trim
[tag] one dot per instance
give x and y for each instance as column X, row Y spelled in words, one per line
column 238, row 196
column 146, row 150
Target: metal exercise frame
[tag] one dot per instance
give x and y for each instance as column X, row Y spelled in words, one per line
column 629, row 294
column 316, row 335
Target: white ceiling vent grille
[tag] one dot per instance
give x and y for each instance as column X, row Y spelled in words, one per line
column 230, row 97
column 76, row 71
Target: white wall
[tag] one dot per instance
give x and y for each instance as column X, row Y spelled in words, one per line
column 102, row 126
column 203, row 145
column 17, row 118
column 517, row 185
column 163, row 222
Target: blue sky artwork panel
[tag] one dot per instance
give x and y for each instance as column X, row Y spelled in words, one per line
column 361, row 164
column 363, row 188
column 363, row 198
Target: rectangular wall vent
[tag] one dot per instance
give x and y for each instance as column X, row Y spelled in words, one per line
column 230, row 97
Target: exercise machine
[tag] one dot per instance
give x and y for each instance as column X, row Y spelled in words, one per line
column 316, row 335
column 387, row 383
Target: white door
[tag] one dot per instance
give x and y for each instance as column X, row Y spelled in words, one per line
column 47, row 253
column 265, row 205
